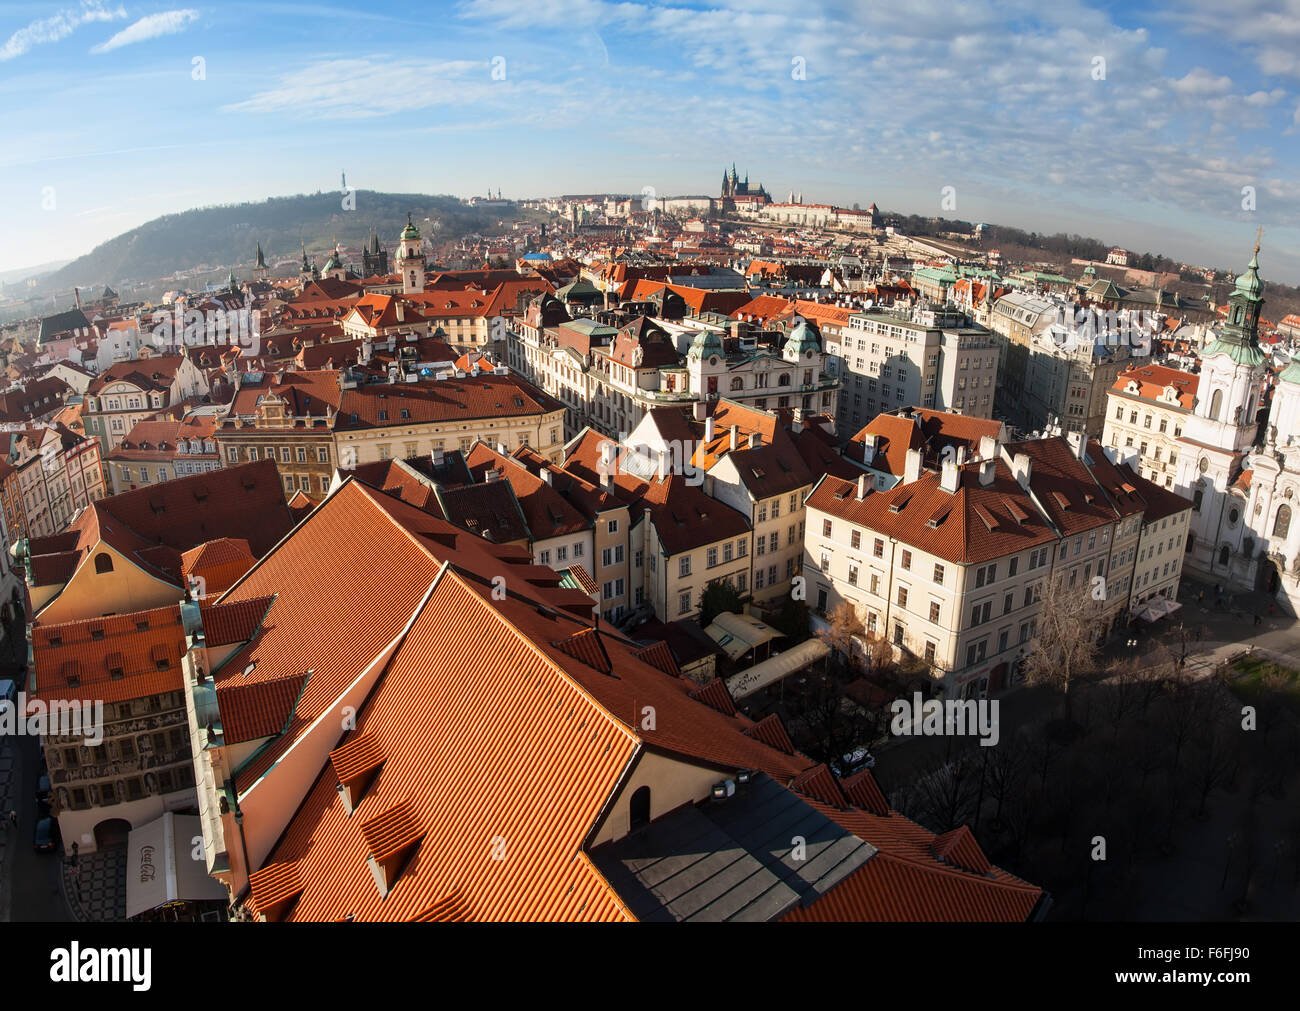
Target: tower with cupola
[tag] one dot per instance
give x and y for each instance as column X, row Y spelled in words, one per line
column 410, row 259
column 1213, row 460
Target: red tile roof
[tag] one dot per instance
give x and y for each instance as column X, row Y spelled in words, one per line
column 486, row 396
column 146, row 646
column 946, row 524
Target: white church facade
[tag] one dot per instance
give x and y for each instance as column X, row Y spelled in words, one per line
column 1242, row 470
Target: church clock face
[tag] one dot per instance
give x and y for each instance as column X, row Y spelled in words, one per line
column 1205, row 465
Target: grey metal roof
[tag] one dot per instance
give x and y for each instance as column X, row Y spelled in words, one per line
column 731, row 859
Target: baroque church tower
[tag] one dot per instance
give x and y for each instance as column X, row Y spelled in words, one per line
column 1218, row 437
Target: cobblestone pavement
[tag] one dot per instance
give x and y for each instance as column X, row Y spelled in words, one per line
column 95, row 886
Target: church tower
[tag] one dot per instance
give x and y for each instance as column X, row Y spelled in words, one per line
column 410, row 259
column 1218, row 435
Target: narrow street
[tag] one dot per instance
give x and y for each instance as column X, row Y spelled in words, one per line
column 30, row 888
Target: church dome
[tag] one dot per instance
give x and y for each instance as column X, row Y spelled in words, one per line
column 1249, row 283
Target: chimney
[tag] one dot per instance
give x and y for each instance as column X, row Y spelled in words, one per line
column 862, row 486
column 436, row 457
column 911, row 466
column 1021, row 468
column 988, row 447
column 709, row 426
column 401, row 313
column 950, row 477
column 756, row 440
column 735, row 437
column 961, row 455
column 546, row 475
column 987, row 467
column 663, row 464
column 502, row 449
column 701, row 409
column 492, row 475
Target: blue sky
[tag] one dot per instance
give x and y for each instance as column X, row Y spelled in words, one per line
column 109, row 123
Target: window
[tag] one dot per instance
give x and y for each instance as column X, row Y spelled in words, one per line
column 1012, row 567
column 826, row 529
column 934, row 612
column 232, row 454
column 103, row 562
column 546, row 557
column 902, row 596
column 684, row 603
column 855, row 539
column 878, row 548
column 711, row 557
column 875, row 584
column 1282, row 522
column 929, row 651
column 611, row 527
column 684, row 565
column 853, row 574
column 742, row 548
column 907, row 560
column 899, row 633
column 938, row 574
column 638, row 815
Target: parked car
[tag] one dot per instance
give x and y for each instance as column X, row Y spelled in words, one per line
column 43, row 793
column 45, row 839
column 853, row 763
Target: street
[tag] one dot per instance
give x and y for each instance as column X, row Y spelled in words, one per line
column 29, row 881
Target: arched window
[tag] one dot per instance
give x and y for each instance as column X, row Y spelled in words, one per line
column 1282, row 522
column 639, row 809
column 103, row 562
column 1223, row 555
column 1216, row 405
column 737, row 383
column 784, row 380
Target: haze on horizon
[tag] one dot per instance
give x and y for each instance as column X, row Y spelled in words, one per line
column 120, row 113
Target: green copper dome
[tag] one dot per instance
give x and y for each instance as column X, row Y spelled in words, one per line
column 1249, row 283
column 1290, row 374
column 410, row 231
column 706, row 343
column 802, row 338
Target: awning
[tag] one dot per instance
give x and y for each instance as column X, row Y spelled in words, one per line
column 737, row 634
column 775, row 668
column 161, row 867
column 1157, row 608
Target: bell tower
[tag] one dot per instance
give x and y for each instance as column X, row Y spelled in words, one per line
column 410, row 259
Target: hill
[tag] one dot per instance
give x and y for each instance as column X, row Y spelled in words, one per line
column 227, row 235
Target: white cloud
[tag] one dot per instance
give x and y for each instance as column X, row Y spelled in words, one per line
column 360, row 88
column 150, row 27
column 57, row 27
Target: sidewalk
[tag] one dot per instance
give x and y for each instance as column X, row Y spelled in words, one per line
column 95, row 888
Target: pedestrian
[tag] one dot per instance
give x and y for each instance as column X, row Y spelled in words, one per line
column 13, row 817
column 1258, row 619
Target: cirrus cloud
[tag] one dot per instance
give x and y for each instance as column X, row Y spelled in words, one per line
column 150, row 27
column 56, row 27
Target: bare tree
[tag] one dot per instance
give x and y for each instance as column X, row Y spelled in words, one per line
column 1065, row 647
column 844, row 630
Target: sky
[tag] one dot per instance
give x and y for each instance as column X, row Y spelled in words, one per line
column 1171, row 128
